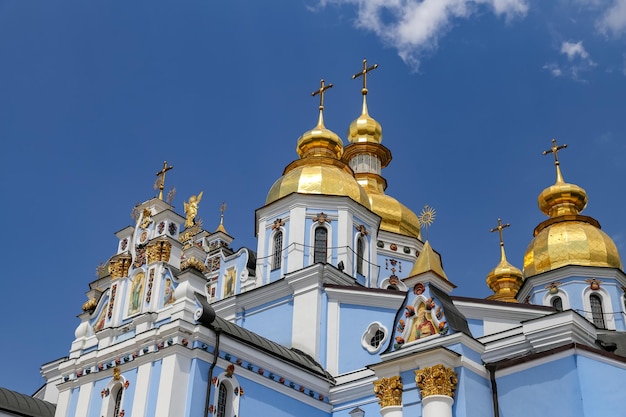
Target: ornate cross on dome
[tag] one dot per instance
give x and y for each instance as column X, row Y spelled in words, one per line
column 161, row 178
column 320, row 92
column 363, row 73
column 499, row 228
column 555, row 150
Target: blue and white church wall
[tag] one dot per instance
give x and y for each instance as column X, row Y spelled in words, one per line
column 593, row 292
column 395, row 255
column 336, row 224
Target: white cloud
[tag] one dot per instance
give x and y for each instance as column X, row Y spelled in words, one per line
column 554, row 69
column 613, row 20
column 572, row 50
column 414, row 27
column 578, row 62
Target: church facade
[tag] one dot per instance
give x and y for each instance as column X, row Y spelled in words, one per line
column 343, row 309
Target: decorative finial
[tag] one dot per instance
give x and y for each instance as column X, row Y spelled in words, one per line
column 320, row 92
column 191, row 209
column 499, row 228
column 427, row 217
column 363, row 73
column 160, row 182
column 222, row 210
column 221, row 228
column 555, row 150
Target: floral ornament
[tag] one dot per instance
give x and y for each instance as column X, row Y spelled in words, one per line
column 401, row 326
column 214, row 380
column 126, row 384
column 278, row 223
column 122, row 413
column 321, row 218
column 443, row 327
column 362, row 230
column 211, row 408
column 553, row 287
column 410, row 311
column 430, row 304
column 399, row 342
column 418, row 288
column 230, row 370
column 594, row 284
column 105, row 393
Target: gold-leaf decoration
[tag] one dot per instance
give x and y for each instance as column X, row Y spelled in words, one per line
column 436, row 380
column 388, row 391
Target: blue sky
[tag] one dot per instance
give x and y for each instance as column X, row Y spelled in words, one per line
column 94, row 95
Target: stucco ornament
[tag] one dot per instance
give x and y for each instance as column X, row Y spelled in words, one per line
column 388, row 391
column 436, row 380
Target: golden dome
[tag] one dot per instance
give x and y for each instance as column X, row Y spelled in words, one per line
column 320, row 169
column 365, row 129
column 570, row 242
column 567, row 237
column 396, row 217
column 318, row 179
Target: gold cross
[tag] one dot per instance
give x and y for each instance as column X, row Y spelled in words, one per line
column 555, row 150
column 363, row 73
column 323, row 88
column 223, row 208
column 161, row 175
column 499, row 229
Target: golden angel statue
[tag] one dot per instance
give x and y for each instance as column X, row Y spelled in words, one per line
column 191, row 209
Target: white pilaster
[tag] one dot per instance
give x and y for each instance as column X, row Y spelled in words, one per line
column 172, row 396
column 141, row 390
column 62, row 403
column 84, row 395
column 295, row 249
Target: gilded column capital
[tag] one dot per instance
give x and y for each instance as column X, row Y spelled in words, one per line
column 159, row 251
column 436, row 380
column 388, row 391
column 119, row 266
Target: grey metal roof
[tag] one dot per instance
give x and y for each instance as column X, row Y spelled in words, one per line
column 291, row 355
column 24, row 405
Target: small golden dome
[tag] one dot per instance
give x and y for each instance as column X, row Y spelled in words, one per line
column 317, row 179
column 504, row 280
column 365, row 129
column 562, row 198
column 570, row 242
column 320, row 141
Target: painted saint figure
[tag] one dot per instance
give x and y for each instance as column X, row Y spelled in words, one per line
column 135, row 294
column 168, row 293
column 423, row 325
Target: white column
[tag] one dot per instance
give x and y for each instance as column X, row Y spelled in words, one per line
column 437, row 406
column 392, row 411
column 63, row 403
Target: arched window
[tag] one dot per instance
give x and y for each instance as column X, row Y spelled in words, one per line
column 360, row 250
column 222, row 397
column 278, row 250
column 319, row 250
column 118, row 402
column 597, row 313
column 557, row 303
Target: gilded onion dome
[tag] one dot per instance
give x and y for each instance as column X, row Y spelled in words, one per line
column 567, row 237
column 505, row 279
column 320, row 169
column 367, row 157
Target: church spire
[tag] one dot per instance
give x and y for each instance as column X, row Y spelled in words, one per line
column 504, row 280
